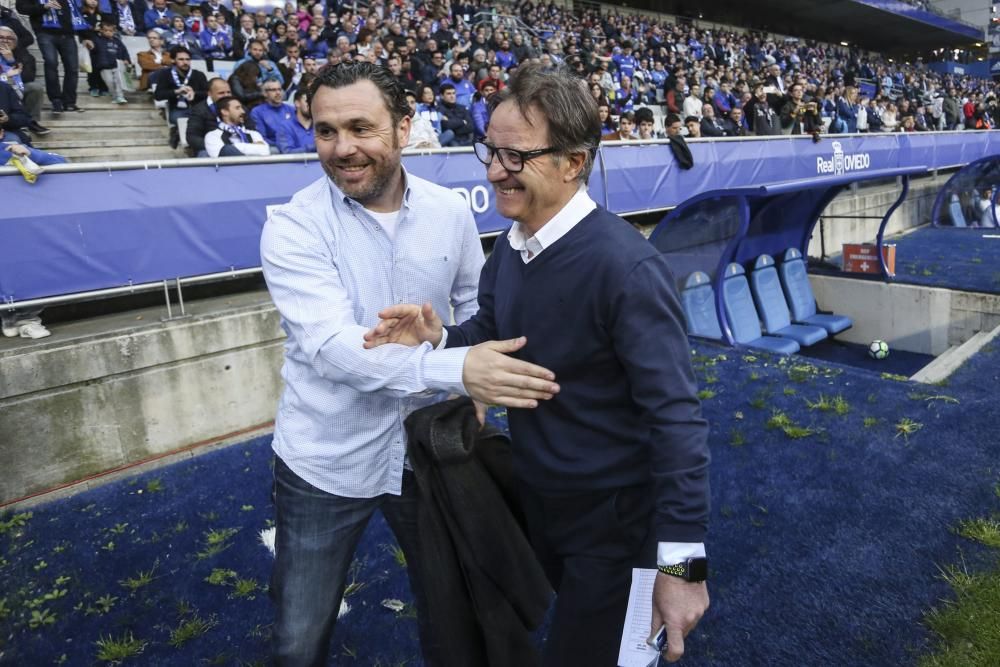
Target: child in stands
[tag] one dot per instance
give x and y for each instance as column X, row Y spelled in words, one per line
column 108, row 50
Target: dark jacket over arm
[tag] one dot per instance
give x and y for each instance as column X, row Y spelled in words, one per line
column 485, row 588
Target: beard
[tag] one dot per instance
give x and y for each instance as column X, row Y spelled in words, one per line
column 382, row 173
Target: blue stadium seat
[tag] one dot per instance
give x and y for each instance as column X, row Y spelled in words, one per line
column 799, row 294
column 698, row 299
column 766, row 289
column 955, row 211
column 742, row 315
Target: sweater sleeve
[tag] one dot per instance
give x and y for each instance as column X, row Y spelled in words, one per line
column 480, row 327
column 649, row 337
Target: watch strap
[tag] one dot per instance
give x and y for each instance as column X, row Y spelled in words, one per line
column 676, row 570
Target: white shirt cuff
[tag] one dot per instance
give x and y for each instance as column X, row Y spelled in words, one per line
column 444, row 339
column 442, row 370
column 671, row 553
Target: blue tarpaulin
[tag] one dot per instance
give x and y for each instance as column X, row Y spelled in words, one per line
column 80, row 231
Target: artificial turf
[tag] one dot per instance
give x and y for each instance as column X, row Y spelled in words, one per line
column 835, row 492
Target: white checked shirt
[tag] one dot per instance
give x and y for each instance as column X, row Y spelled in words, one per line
column 330, row 269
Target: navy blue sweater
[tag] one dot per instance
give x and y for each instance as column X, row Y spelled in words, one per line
column 600, row 310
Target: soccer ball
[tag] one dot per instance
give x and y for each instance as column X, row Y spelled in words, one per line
column 878, row 349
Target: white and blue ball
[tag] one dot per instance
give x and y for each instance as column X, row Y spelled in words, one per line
column 878, row 349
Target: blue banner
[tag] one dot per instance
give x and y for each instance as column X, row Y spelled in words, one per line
column 912, row 11
column 80, row 231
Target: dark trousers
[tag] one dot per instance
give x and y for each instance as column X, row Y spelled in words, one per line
column 317, row 534
column 55, row 47
column 588, row 544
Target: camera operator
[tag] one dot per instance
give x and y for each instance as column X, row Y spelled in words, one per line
column 799, row 116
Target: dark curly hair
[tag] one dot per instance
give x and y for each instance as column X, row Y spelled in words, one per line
column 347, row 73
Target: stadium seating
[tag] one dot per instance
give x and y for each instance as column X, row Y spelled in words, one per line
column 766, row 289
column 698, row 300
column 742, row 315
column 799, row 294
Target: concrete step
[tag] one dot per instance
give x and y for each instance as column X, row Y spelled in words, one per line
column 85, row 99
column 98, row 154
column 60, row 131
column 58, row 144
column 113, row 117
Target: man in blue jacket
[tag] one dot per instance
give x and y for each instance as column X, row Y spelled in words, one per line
column 297, row 135
column 613, row 470
column 271, row 116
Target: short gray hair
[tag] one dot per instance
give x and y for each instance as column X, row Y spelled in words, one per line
column 4, row 28
column 565, row 102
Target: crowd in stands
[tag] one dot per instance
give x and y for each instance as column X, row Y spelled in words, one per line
column 651, row 77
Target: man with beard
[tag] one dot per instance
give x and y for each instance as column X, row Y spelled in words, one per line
column 612, row 473
column 232, row 137
column 297, row 135
column 181, row 88
column 366, row 234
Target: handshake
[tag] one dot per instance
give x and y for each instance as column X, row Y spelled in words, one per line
column 490, row 376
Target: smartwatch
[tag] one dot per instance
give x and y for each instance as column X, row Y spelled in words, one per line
column 692, row 569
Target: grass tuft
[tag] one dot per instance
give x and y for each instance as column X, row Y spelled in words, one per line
column 117, row 651
column 967, row 628
column 986, row 531
column 191, row 628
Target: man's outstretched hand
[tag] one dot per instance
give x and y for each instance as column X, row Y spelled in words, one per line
column 406, row 324
column 492, row 377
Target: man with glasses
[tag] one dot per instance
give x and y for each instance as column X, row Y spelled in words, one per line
column 269, row 118
column 613, row 470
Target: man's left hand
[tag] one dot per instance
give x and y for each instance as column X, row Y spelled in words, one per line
column 678, row 605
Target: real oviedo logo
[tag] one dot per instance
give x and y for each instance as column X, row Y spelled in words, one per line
column 841, row 162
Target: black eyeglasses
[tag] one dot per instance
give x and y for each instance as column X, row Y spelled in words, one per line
column 511, row 159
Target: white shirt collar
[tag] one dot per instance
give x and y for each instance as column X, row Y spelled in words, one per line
column 575, row 210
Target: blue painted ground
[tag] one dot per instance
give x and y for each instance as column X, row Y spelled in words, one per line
column 963, row 259
column 825, row 548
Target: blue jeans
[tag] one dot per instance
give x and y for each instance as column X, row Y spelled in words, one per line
column 317, row 534
column 53, row 47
